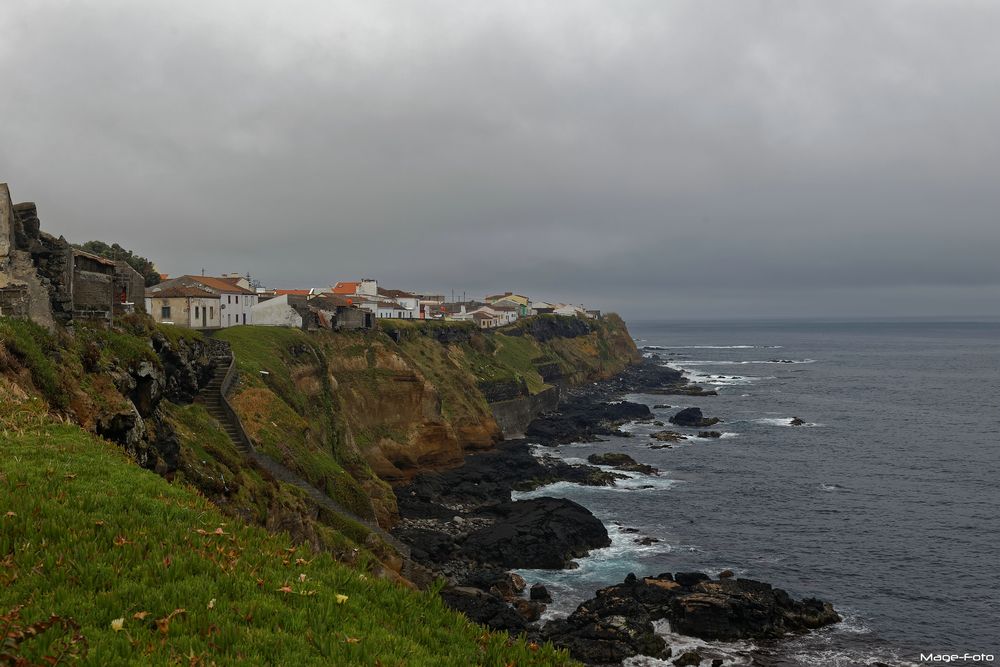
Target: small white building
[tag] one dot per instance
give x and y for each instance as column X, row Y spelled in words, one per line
column 276, row 312
column 190, row 307
column 393, row 310
column 236, row 299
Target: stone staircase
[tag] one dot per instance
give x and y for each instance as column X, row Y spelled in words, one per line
column 211, row 398
column 214, row 397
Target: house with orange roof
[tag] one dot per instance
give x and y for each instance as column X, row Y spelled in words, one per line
column 185, row 306
column 236, row 299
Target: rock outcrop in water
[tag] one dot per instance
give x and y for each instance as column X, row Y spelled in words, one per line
column 693, row 418
column 539, row 533
column 618, row 622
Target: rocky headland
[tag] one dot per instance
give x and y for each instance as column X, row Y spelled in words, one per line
column 461, row 524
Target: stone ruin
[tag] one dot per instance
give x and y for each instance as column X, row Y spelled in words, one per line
column 44, row 278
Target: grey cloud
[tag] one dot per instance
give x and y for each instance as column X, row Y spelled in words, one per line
column 808, row 157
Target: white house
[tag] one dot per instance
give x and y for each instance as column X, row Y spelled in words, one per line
column 569, row 310
column 276, row 312
column 392, row 310
column 505, row 314
column 236, row 299
column 190, row 307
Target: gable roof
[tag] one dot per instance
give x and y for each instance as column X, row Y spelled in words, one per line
column 395, row 294
column 346, row 287
column 181, row 291
column 220, row 284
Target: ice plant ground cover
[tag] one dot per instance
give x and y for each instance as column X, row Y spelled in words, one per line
column 103, row 560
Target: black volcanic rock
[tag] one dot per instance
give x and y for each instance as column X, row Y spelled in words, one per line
column 722, row 610
column 693, row 418
column 537, row 533
column 539, row 593
column 585, row 420
column 621, row 461
column 484, row 608
column 428, row 546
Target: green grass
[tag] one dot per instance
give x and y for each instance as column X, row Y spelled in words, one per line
column 88, row 536
column 211, row 462
column 175, row 334
column 116, row 347
column 36, row 349
column 520, row 352
column 292, row 414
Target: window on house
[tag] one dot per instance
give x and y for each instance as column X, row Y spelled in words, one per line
column 165, row 312
column 237, row 298
column 229, row 318
column 211, row 312
column 197, row 312
column 244, row 318
column 229, row 298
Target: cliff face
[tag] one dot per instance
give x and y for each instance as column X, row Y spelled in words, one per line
column 349, row 412
column 413, row 396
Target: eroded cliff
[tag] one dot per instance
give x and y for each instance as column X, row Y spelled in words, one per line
column 410, row 397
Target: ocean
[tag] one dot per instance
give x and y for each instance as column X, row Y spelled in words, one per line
column 885, row 502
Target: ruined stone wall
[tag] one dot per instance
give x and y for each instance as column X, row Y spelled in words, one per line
column 14, row 301
column 92, row 291
column 24, row 289
column 6, row 235
column 133, row 283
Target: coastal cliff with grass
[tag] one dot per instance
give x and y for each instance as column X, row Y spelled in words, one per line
column 114, row 478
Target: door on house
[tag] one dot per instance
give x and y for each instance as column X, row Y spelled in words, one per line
column 204, row 318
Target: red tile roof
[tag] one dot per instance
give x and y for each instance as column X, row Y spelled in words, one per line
column 220, row 284
column 180, row 291
column 296, row 292
column 346, row 287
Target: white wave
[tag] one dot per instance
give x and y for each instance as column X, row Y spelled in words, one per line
column 782, row 421
column 831, row 487
column 732, row 653
column 608, row 564
column 639, row 483
column 825, row 647
column 730, row 362
column 719, row 380
column 718, row 347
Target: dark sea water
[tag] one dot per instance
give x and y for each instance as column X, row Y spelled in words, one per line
column 886, row 503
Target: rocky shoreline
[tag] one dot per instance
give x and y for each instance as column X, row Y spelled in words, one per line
column 461, row 524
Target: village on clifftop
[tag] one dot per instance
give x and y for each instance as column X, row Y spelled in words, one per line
column 208, row 302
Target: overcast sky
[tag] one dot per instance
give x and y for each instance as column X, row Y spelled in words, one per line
column 666, row 158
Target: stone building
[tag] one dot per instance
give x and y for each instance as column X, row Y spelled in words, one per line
column 185, row 306
column 46, row 279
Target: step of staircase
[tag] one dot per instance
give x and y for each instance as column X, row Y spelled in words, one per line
column 212, row 398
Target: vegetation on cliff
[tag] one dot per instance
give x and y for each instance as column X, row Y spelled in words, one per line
column 346, row 411
column 105, row 561
column 408, row 396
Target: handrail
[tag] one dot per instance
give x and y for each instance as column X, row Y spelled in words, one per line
column 228, row 380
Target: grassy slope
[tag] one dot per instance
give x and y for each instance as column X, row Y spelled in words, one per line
column 292, row 415
column 211, row 463
column 88, row 535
